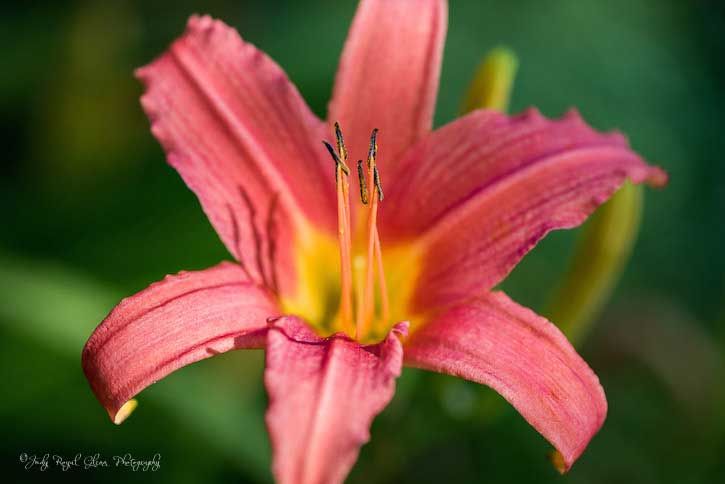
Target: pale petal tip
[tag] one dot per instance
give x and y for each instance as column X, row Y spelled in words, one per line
column 140, row 73
column 657, row 177
column 199, row 22
column 125, row 411
column 558, row 461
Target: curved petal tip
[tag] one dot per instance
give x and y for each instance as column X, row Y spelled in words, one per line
column 125, row 411
column 657, row 177
column 172, row 323
column 496, row 342
column 557, row 460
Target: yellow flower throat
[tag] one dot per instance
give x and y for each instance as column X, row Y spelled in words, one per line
column 343, row 287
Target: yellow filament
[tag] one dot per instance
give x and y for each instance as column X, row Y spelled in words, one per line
column 369, row 293
column 343, row 214
column 368, row 303
column 385, row 304
column 359, row 269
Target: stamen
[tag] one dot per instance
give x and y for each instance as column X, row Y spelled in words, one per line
column 358, row 274
column 368, row 304
column 343, row 216
column 343, row 224
column 363, row 183
column 346, row 196
column 342, row 150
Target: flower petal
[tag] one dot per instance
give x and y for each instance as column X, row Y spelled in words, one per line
column 323, row 396
column 388, row 75
column 496, row 342
column 243, row 140
column 480, row 192
column 173, row 323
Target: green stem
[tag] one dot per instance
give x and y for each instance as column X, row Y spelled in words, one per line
column 606, row 244
column 492, row 85
column 599, row 258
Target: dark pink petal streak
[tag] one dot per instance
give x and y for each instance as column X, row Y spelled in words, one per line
column 496, row 342
column 244, row 141
column 172, row 323
column 323, row 396
column 480, row 192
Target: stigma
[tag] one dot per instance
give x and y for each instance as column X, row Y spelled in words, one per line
column 361, row 260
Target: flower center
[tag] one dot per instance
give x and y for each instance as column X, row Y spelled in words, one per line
column 358, row 269
column 341, row 284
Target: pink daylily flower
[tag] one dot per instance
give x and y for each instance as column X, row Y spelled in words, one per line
column 342, row 294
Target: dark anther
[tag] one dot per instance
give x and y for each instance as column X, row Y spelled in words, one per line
column 378, row 186
column 363, row 184
column 340, row 142
column 337, row 159
column 373, row 151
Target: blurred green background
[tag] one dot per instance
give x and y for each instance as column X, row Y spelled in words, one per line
column 91, row 212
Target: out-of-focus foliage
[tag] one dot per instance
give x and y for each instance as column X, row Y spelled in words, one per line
column 90, row 212
column 597, row 262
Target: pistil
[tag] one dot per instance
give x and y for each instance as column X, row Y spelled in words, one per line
column 373, row 197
